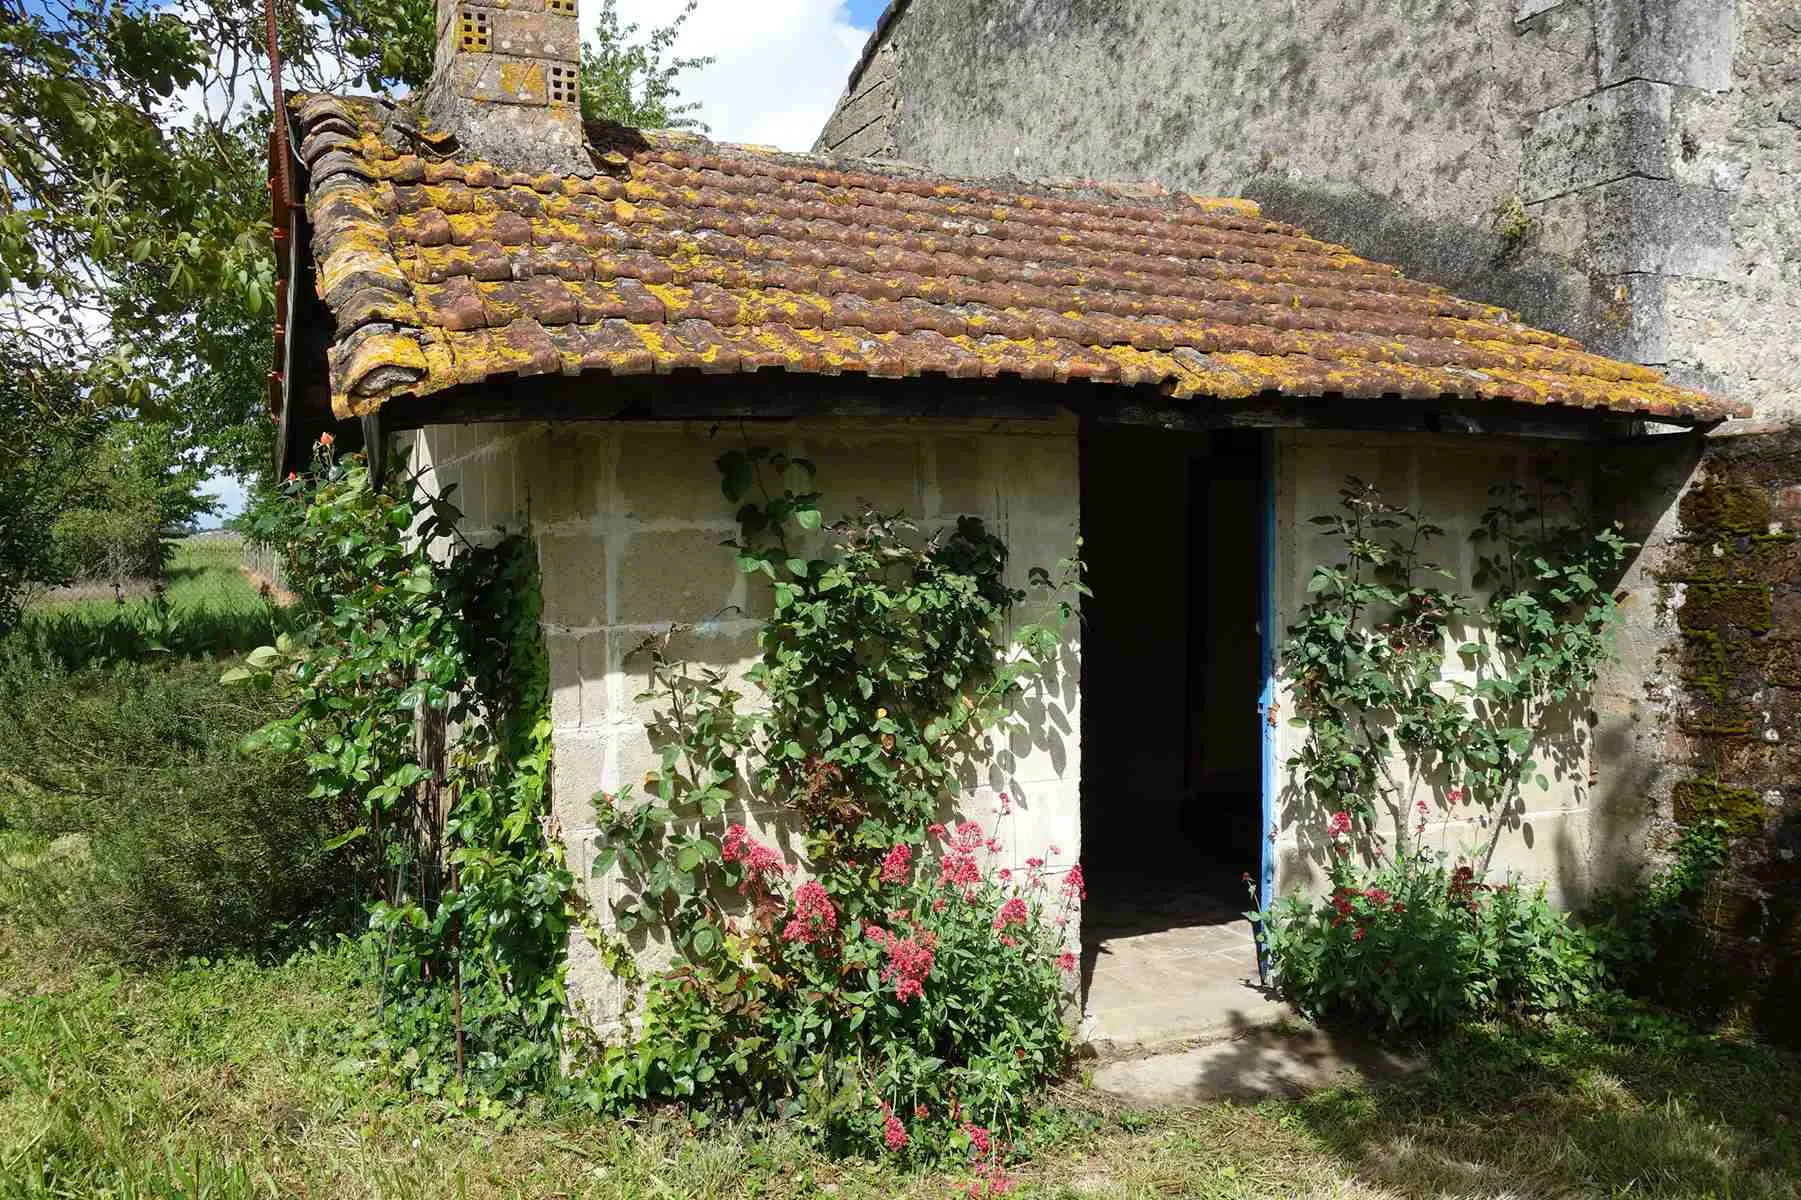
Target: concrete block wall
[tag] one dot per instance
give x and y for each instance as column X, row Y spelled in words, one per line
column 1557, row 838
column 629, row 519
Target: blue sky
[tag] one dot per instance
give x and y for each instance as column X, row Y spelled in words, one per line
column 864, row 12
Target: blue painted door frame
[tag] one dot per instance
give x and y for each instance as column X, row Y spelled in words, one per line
column 1269, row 723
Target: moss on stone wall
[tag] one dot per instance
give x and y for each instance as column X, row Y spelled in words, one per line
column 1721, row 508
column 1740, row 708
column 1698, row 800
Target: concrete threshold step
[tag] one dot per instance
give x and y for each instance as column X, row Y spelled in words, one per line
column 1259, row 1064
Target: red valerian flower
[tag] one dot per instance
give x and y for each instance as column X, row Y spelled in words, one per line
column 898, row 865
column 1006, row 805
column 894, row 1135
column 1013, row 912
column 1066, row 961
column 1358, row 936
column 814, row 918
column 978, row 1137
column 909, row 960
column 292, row 477
column 921, row 1112
column 936, row 829
column 1339, row 825
column 1075, row 885
column 326, row 439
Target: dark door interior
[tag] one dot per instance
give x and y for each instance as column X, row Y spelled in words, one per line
column 1171, row 671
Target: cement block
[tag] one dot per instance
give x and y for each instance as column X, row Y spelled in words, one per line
column 1684, row 42
column 679, row 576
column 664, row 476
column 563, row 650
column 574, row 570
column 578, row 765
column 959, row 486
column 1614, row 133
column 885, row 473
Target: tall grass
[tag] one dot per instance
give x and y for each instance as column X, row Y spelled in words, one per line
column 205, row 607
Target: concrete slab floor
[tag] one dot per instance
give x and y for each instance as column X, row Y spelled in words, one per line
column 1165, row 965
column 1261, row 1064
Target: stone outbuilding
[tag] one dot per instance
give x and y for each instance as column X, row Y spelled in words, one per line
column 571, row 323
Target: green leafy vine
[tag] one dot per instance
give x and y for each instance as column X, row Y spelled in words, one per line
column 420, row 688
column 1386, row 722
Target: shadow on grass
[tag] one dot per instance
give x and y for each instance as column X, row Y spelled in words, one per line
column 1616, row 1104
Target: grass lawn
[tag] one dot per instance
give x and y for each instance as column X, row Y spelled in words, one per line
column 211, row 609
column 231, row 1079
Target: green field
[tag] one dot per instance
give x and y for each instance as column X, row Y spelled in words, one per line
column 206, row 607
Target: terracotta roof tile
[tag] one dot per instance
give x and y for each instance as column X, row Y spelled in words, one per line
column 684, row 255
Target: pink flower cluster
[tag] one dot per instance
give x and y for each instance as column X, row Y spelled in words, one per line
column 760, row 861
column 958, row 867
column 898, row 865
column 894, row 1134
column 909, row 960
column 1340, row 825
column 815, row 918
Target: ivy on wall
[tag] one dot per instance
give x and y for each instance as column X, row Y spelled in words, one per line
column 420, row 690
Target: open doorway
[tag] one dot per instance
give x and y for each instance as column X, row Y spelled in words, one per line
column 1171, row 739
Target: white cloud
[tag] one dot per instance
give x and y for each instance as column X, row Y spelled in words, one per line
column 781, row 64
column 228, row 490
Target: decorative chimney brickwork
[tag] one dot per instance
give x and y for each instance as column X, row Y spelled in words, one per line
column 506, row 82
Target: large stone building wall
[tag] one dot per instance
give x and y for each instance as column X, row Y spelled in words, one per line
column 629, row 522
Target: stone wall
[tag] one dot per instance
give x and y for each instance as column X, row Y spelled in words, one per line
column 1734, row 745
column 1564, row 835
column 629, row 519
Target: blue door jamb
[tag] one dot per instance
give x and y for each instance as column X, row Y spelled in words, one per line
column 1269, row 723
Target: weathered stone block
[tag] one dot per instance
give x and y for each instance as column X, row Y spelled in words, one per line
column 1718, row 508
column 1709, row 606
column 1614, row 133
column 1662, row 227
column 1685, row 42
column 680, row 576
column 1696, row 800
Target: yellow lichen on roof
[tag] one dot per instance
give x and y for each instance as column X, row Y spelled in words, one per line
column 680, row 254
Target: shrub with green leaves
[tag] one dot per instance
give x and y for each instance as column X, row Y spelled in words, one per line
column 1415, row 943
column 1393, row 737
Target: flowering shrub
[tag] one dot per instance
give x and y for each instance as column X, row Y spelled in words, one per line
column 1414, row 942
column 904, row 998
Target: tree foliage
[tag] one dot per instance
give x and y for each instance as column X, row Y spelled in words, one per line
column 137, row 268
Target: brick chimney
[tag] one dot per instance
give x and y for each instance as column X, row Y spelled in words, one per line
column 506, row 82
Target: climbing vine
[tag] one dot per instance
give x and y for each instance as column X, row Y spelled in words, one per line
column 905, row 997
column 1405, row 937
column 1387, row 723
column 420, row 692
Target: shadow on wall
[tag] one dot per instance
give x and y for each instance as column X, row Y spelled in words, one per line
column 1503, row 268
